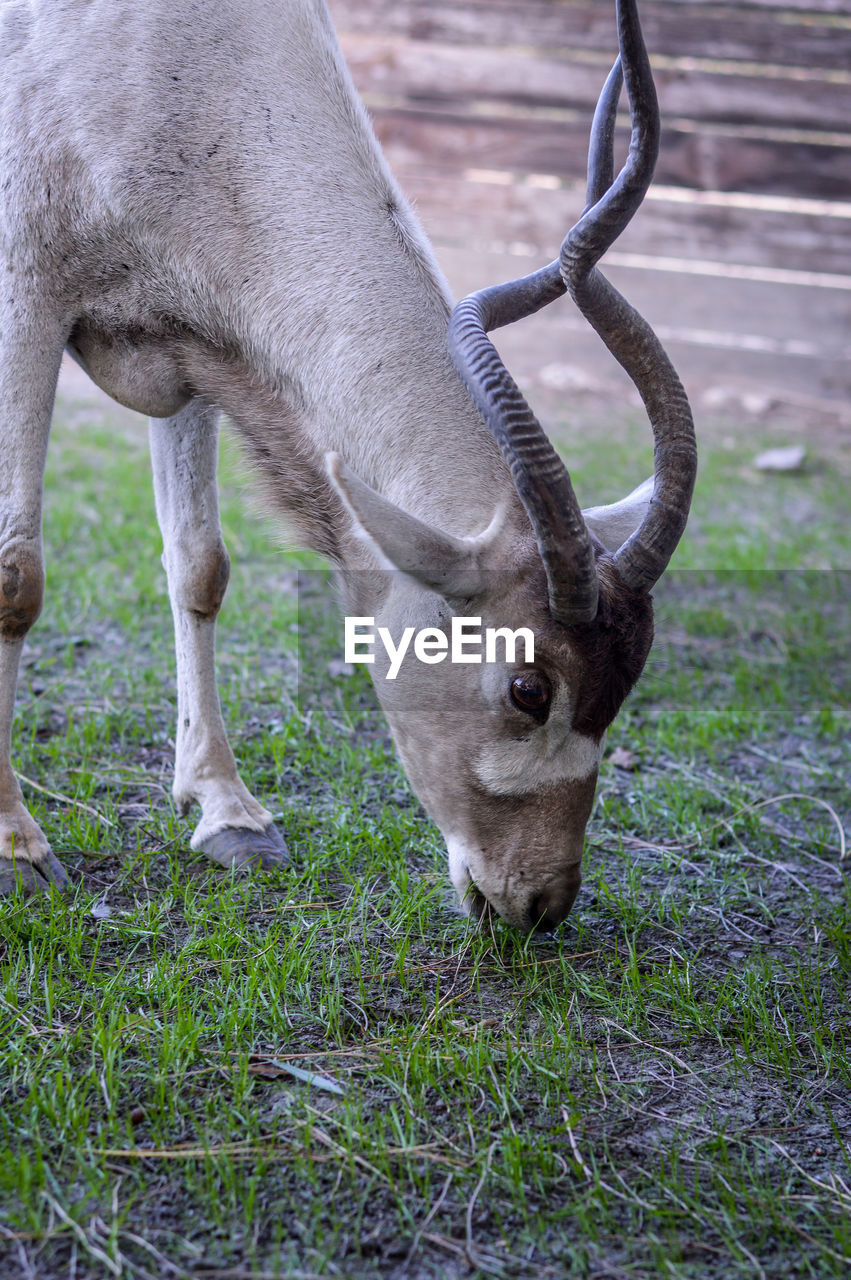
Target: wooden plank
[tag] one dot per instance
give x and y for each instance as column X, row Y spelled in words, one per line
column 717, row 31
column 454, row 141
column 772, row 7
column 470, row 206
column 434, row 72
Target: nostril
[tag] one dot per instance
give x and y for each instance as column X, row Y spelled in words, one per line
column 552, row 906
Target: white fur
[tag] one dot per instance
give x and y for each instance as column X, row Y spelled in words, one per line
column 613, row 524
column 516, row 767
column 183, row 452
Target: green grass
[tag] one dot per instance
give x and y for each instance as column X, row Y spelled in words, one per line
column 662, row 1089
column 741, row 518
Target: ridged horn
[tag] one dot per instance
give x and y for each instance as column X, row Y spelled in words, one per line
column 541, row 479
column 643, row 558
column 539, row 475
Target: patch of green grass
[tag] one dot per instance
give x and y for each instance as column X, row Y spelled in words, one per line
column 662, row 1088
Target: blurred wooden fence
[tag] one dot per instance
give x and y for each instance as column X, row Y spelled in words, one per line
column 484, row 106
column 755, row 96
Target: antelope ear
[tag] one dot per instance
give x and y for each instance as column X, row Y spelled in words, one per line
column 454, row 567
column 618, row 521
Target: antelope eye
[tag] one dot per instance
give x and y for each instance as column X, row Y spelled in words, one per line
column 532, row 693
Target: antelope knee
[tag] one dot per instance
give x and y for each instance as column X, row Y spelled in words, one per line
column 21, row 590
column 201, row 579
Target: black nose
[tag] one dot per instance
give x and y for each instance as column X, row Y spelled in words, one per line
column 553, row 905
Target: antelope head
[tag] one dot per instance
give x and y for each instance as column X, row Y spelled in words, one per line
column 505, row 754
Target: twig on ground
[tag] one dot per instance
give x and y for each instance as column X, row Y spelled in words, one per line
column 432, row 1214
column 475, row 1259
column 63, row 799
column 587, row 1173
column 647, row 1045
column 91, row 1248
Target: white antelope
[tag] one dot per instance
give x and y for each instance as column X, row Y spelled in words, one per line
column 192, row 201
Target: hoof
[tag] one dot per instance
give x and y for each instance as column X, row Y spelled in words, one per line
column 28, row 878
column 238, row 848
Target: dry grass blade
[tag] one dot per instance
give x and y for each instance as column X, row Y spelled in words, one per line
column 841, row 1192
column 238, row 1273
column 487, row 1263
column 189, row 1151
column 342, row 1153
column 787, row 795
column 656, row 1048
column 586, row 1172
column 432, row 1214
column 113, row 1267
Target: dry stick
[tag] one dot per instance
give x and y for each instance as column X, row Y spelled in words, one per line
column 57, row 795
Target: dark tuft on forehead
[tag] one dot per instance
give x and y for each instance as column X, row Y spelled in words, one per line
column 612, row 650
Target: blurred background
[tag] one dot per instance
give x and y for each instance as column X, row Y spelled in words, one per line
column 741, row 254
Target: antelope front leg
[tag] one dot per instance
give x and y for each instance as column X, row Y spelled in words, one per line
column 26, row 861
column 30, row 352
column 235, row 830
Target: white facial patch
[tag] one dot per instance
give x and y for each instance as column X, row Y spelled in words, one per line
column 516, row 767
column 459, row 872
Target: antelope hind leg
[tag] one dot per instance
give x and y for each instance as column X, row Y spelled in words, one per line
column 235, row 830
